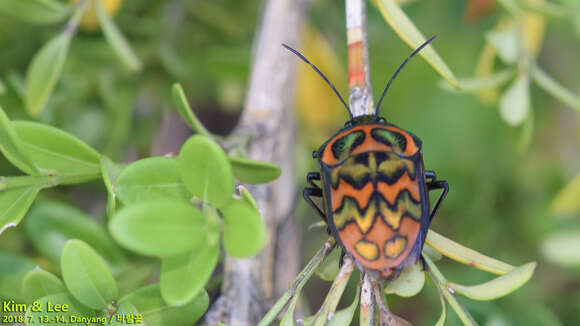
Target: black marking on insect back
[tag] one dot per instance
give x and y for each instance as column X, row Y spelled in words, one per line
column 343, row 146
column 390, row 138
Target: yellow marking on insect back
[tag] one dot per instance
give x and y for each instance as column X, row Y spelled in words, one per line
column 350, row 212
column 395, row 246
column 403, row 205
column 367, row 249
column 394, row 163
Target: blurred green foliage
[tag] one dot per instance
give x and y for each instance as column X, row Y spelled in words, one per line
column 501, row 196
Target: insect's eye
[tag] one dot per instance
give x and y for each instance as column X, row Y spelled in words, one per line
column 348, row 124
column 314, row 154
column 382, row 120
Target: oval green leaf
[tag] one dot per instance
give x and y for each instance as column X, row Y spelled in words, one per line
column 75, row 311
column 206, row 171
column 10, row 146
column 411, row 35
column 125, row 309
column 44, row 71
column 254, row 172
column 13, row 269
column 116, row 39
column 148, row 301
column 506, row 42
column 244, row 230
column 50, row 224
column 14, row 204
column 151, row 179
column 345, row 316
column 466, row 255
column 58, row 153
column 561, row 248
column 183, row 276
column 514, row 105
column 477, row 84
column 35, row 11
column 87, row 276
column 40, row 283
column 409, row 283
column 185, row 110
column 160, row 228
column 498, row 287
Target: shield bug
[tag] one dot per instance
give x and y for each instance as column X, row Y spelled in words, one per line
column 374, row 189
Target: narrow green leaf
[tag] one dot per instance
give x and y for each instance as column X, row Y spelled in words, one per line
column 206, row 171
column 409, row 283
column 432, row 253
column 254, row 172
column 50, row 224
column 247, row 196
column 160, row 228
column 44, row 71
column 344, row 317
column 561, row 248
column 13, row 269
column 150, row 179
column 2, row 88
column 443, row 317
column 476, row 84
column 328, row 270
column 244, row 230
column 555, row 89
column 155, row 311
column 87, row 276
column 183, row 276
column 14, row 204
column 498, row 287
column 466, row 255
column 514, row 105
column 288, row 317
column 75, row 310
column 117, row 40
column 506, row 42
column 35, row 11
column 411, row 35
column 10, row 146
column 58, row 153
column 39, row 283
column 186, row 112
column 110, row 172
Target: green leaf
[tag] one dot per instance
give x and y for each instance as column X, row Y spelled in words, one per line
column 247, row 196
column 124, row 310
column 328, row 270
column 184, row 275
column 561, row 248
column 87, row 276
column 13, row 269
column 288, row 317
column 411, row 35
column 244, row 230
column 160, row 228
column 206, row 171
column 186, row 112
column 50, row 224
column 58, row 153
column 409, row 283
column 345, row 316
column 10, row 146
column 35, row 11
column 432, row 253
column 39, row 283
column 506, row 42
column 14, row 204
column 254, row 172
column 466, row 255
column 110, row 172
column 476, row 84
column 44, row 71
column 443, row 317
column 151, row 179
column 155, row 311
column 75, row 309
column 498, row 287
column 514, row 105
column 555, row 89
column 116, row 39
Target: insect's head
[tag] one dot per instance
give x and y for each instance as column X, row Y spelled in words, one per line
column 360, row 119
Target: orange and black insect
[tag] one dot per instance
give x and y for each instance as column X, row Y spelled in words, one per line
column 375, row 189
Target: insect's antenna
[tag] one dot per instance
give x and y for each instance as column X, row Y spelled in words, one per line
column 321, row 75
column 400, row 68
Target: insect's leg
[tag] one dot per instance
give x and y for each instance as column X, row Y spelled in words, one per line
column 310, row 177
column 313, row 192
column 341, row 259
column 434, row 184
column 424, row 263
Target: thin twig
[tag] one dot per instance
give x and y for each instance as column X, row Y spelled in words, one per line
column 367, row 302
